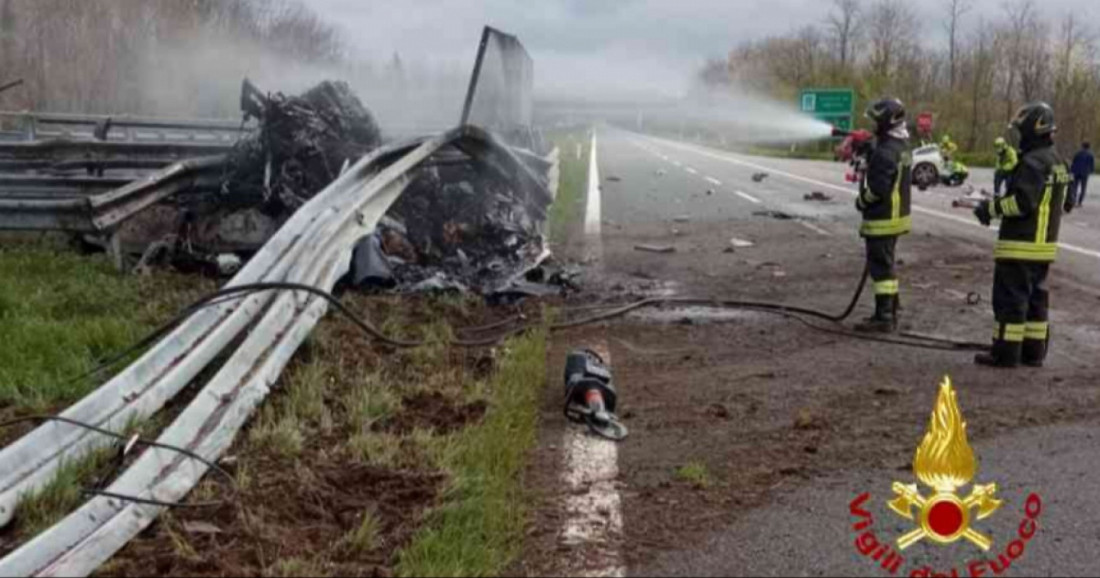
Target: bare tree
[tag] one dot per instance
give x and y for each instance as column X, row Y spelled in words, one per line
column 891, row 31
column 1020, row 16
column 982, row 62
column 843, row 27
column 956, row 9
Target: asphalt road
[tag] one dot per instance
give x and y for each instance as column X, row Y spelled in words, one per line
column 656, row 185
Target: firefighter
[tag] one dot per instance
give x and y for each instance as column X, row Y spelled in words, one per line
column 1006, row 163
column 948, row 148
column 884, row 202
column 1030, row 213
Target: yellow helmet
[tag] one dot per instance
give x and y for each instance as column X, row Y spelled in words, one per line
column 1000, row 143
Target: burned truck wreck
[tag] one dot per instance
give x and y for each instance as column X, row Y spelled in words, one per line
column 471, row 218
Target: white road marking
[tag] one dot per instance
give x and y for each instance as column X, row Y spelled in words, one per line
column 714, row 181
column 916, row 208
column 815, row 228
column 592, row 211
column 748, row 197
column 676, row 164
column 691, row 170
column 594, row 521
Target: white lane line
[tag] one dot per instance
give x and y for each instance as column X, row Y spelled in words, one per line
column 714, row 181
column 676, row 164
column 748, row 197
column 916, row 208
column 815, row 228
column 592, row 211
column 691, row 170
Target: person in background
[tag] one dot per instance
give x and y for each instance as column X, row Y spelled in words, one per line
column 948, row 148
column 1006, row 163
column 1084, row 164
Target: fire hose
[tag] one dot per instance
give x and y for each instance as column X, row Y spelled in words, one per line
column 789, row 311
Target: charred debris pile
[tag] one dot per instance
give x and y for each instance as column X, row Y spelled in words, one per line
column 457, row 226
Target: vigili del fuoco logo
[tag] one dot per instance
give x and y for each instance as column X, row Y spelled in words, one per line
column 944, row 464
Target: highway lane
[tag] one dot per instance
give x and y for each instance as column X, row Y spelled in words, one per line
column 1080, row 235
column 807, row 531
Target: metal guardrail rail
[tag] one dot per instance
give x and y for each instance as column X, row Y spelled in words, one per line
column 313, row 247
column 22, row 210
column 47, row 125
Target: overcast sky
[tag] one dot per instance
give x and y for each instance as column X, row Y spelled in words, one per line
column 633, row 45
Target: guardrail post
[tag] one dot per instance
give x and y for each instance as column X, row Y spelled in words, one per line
column 114, row 249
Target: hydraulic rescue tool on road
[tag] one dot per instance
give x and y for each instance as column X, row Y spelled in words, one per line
column 590, row 397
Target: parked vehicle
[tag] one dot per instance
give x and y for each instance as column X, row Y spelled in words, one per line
column 931, row 169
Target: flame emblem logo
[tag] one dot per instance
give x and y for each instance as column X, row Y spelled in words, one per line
column 945, row 462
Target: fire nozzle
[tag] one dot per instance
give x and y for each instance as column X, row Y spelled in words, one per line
column 840, row 133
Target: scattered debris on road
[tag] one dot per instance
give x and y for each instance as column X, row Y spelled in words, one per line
column 614, row 179
column 660, row 172
column 655, row 248
column 817, row 196
column 759, row 177
column 741, row 243
column 971, row 199
column 780, row 215
column 681, row 219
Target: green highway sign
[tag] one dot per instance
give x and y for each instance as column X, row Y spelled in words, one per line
column 833, row 105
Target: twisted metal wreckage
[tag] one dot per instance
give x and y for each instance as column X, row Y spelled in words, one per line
column 455, row 206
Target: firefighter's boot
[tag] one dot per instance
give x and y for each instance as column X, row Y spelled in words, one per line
column 1002, row 354
column 1035, row 352
column 885, row 319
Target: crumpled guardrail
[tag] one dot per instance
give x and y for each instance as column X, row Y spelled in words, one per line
column 102, row 212
column 314, row 248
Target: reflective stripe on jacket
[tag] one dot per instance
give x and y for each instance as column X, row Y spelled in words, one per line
column 1031, row 211
column 884, row 197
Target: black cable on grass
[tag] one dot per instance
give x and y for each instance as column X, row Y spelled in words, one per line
column 138, row 441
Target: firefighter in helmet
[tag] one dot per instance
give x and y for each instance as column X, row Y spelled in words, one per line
column 1030, row 213
column 884, row 202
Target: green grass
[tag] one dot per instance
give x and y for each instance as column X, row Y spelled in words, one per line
column 478, row 529
column 364, row 538
column 568, row 207
column 62, row 312
column 695, row 473
column 64, row 494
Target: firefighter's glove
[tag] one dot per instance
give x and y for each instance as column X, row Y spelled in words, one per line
column 983, row 213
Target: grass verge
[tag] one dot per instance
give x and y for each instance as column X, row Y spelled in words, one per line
column 62, row 312
column 478, row 530
column 568, row 207
column 367, row 460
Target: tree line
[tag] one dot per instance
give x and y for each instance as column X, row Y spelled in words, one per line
column 146, row 56
column 972, row 81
